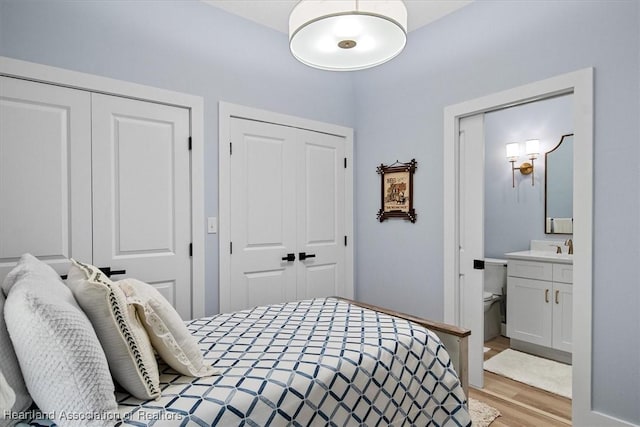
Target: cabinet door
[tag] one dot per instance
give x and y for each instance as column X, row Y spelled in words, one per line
column 529, row 310
column 45, row 174
column 141, row 194
column 562, row 316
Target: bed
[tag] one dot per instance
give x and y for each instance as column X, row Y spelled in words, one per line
column 317, row 362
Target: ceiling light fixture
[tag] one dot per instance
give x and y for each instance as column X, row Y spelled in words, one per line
column 347, row 35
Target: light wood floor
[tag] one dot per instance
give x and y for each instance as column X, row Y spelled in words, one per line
column 521, row 405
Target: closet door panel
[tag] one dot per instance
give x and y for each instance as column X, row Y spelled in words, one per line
column 141, row 194
column 45, row 173
column 263, row 225
column 320, row 219
column 143, row 224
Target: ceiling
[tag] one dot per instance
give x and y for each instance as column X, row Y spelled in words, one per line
column 275, row 13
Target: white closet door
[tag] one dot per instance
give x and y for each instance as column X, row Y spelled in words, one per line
column 320, row 215
column 45, row 174
column 141, row 194
column 263, row 214
column 287, row 198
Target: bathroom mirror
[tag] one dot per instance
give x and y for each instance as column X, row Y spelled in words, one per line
column 558, row 183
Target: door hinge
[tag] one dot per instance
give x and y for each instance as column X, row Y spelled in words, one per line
column 231, row 247
column 190, row 143
column 230, row 148
column 345, row 162
column 190, row 249
column 345, row 240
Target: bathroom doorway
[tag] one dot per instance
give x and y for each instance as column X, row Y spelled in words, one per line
column 457, row 268
column 501, row 209
column 516, row 196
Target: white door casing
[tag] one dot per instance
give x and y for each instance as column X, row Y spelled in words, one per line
column 62, row 78
column 317, row 238
column 580, row 83
column 141, row 194
column 45, row 173
column 471, row 240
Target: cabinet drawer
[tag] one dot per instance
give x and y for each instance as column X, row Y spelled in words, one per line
column 530, row 269
column 563, row 273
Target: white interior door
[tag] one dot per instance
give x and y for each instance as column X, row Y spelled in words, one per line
column 320, row 215
column 471, row 240
column 141, row 194
column 287, row 222
column 263, row 214
column 45, row 173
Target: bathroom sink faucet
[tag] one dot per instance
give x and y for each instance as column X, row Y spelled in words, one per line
column 569, row 243
column 558, row 249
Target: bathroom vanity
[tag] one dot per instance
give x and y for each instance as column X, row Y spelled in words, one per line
column 540, row 303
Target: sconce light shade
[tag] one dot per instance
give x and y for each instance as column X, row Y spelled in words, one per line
column 533, row 148
column 347, row 35
column 513, row 151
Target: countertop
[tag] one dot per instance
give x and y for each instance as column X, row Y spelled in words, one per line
column 547, row 256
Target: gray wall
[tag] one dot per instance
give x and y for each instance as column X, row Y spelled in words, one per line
column 484, row 48
column 186, row 46
column 515, row 216
column 397, row 110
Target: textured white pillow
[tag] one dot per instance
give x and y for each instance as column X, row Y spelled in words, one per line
column 7, row 396
column 11, row 374
column 28, row 264
column 63, row 365
column 167, row 331
column 121, row 334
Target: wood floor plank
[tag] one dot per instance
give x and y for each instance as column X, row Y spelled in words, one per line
column 520, row 404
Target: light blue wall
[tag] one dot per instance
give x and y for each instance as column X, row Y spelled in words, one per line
column 186, row 46
column 515, row 216
column 397, row 110
column 484, row 48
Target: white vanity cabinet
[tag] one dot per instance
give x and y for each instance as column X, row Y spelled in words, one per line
column 540, row 302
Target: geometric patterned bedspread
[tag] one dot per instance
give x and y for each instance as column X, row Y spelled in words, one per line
column 321, row 362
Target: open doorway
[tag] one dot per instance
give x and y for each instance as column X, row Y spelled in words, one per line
column 457, row 268
column 524, row 355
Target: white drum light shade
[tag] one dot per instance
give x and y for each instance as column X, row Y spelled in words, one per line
column 347, row 35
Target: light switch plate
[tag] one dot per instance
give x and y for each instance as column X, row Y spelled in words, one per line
column 212, row 225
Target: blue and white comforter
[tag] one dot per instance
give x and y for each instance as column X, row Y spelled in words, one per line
column 321, row 362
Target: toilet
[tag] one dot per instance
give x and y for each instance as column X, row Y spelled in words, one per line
column 495, row 286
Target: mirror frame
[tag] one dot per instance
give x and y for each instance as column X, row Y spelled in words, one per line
column 545, row 181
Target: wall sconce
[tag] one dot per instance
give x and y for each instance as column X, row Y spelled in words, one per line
column 532, row 147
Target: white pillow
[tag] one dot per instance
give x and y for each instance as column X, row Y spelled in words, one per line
column 11, row 374
column 28, row 264
column 63, row 365
column 7, row 396
column 168, row 333
column 124, row 339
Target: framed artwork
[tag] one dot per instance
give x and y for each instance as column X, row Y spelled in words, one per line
column 397, row 191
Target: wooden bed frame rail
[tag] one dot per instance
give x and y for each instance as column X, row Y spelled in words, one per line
column 455, row 339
